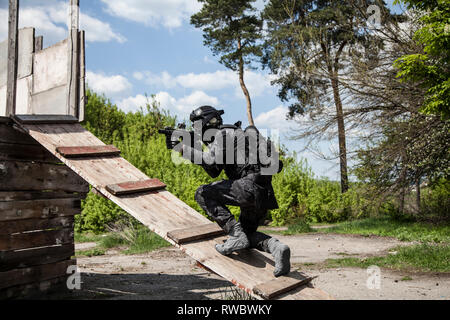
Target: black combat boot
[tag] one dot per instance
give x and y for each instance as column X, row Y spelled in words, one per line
column 237, row 241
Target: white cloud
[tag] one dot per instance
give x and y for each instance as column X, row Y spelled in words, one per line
column 50, row 20
column 274, row 119
column 257, row 83
column 168, row 13
column 113, row 86
column 180, row 107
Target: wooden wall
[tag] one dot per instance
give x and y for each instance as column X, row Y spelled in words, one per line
column 39, row 198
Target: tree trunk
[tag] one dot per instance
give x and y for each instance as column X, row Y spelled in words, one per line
column 418, row 195
column 341, row 134
column 244, row 88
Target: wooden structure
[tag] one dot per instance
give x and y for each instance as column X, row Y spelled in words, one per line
column 40, row 196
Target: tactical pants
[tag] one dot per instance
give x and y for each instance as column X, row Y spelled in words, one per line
column 243, row 193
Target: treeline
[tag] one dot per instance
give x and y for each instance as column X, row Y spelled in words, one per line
column 300, row 194
column 355, row 72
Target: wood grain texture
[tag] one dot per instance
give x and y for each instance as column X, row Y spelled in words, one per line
column 37, row 176
column 206, row 231
column 133, row 187
column 34, row 274
column 278, row 286
column 34, row 257
column 39, row 209
column 88, row 151
column 13, row 56
column 162, row 212
column 7, row 196
column 36, row 239
column 17, row 226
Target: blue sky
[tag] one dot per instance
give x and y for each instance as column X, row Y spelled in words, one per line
column 139, row 47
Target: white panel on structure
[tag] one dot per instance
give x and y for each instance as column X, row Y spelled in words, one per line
column 3, row 62
column 26, row 49
column 23, row 96
column 25, row 60
column 50, row 68
column 50, row 102
column 3, row 101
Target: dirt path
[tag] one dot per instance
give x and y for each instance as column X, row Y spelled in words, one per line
column 170, row 274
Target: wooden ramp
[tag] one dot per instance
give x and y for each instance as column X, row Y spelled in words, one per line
column 165, row 214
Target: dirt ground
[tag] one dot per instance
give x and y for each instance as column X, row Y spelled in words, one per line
column 170, row 274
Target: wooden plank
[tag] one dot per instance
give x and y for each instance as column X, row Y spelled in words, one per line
column 45, row 119
column 36, row 290
column 88, row 151
column 17, row 226
column 34, row 274
column 39, row 209
column 133, row 187
column 36, row 239
column 206, row 231
column 25, row 153
column 39, row 176
column 33, row 257
column 38, row 43
column 162, row 212
column 82, row 85
column 13, row 38
column 7, row 196
column 10, row 134
column 73, row 61
column 278, row 286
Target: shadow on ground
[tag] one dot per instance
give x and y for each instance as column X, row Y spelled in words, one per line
column 96, row 286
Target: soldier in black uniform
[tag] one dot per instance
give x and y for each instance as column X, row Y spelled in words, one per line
column 249, row 187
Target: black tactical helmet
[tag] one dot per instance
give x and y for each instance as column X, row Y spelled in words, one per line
column 209, row 116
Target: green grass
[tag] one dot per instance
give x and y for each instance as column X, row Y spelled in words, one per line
column 422, row 257
column 386, row 227
column 135, row 240
column 297, row 228
column 90, row 253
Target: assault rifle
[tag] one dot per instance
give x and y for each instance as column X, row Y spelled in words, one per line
column 171, row 139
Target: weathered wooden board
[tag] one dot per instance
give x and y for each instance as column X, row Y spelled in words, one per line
column 7, row 196
column 278, row 286
column 36, row 176
column 19, row 226
column 39, row 209
column 36, row 290
column 133, row 187
column 13, row 50
column 8, row 134
column 36, row 256
column 34, row 274
column 36, row 239
column 45, row 119
column 89, row 151
column 205, row 231
column 162, row 212
column 25, row 153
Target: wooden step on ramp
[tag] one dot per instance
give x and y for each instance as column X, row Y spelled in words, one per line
column 168, row 216
column 88, row 151
column 132, row 187
column 186, row 235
